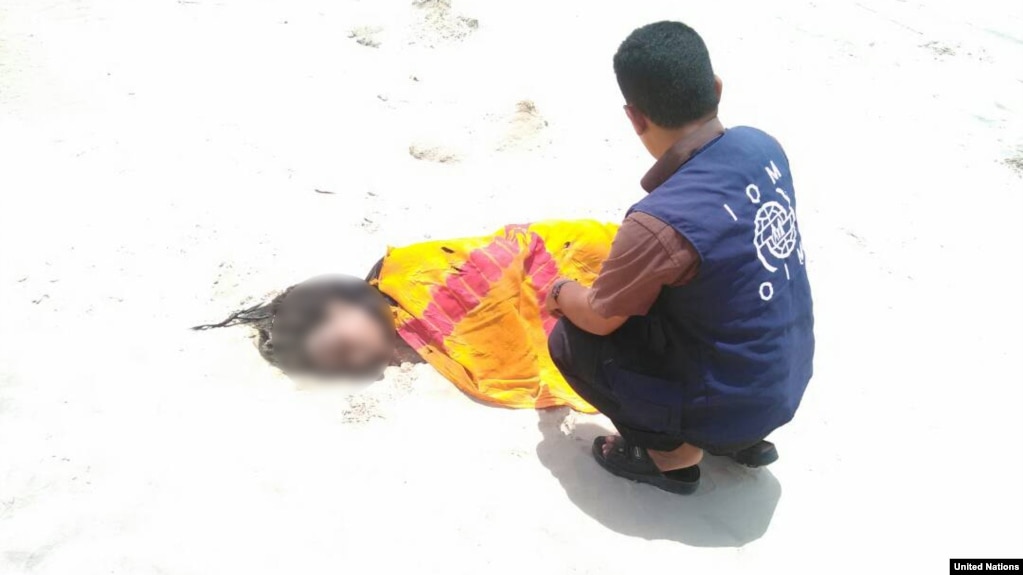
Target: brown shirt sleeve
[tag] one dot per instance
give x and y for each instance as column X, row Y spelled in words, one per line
column 646, row 255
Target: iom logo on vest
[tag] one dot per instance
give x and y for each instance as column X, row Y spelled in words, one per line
column 775, row 235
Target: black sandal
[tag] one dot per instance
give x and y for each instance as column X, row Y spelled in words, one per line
column 760, row 454
column 634, row 463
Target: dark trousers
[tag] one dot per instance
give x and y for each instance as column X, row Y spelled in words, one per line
column 594, row 365
column 611, row 373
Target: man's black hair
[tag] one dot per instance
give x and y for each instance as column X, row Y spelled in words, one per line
column 664, row 70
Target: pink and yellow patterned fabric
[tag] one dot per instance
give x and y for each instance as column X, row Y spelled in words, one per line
column 474, row 307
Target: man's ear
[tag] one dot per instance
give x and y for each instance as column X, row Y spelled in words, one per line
column 717, row 86
column 639, row 122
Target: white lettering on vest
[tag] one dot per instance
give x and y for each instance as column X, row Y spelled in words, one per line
column 775, row 232
column 773, row 172
column 753, row 193
column 731, row 213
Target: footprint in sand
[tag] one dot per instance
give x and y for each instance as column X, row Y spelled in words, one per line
column 440, row 24
column 368, row 36
column 943, row 51
column 432, row 153
column 525, row 129
column 1015, row 163
column 521, row 130
column 939, row 49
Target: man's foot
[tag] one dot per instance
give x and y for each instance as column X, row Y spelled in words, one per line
column 684, row 456
column 758, row 455
column 633, row 462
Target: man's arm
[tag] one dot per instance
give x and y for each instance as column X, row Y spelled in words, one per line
column 573, row 302
column 647, row 254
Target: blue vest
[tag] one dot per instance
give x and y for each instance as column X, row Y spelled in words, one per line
column 738, row 339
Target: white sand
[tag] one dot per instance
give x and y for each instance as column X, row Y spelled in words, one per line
column 158, row 162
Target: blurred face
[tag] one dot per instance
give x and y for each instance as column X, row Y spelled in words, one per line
column 348, row 340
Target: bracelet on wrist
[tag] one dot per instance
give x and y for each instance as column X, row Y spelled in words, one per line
column 556, row 290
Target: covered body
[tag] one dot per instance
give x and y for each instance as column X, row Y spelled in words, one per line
column 474, row 308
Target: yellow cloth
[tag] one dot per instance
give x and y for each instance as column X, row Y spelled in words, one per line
column 474, row 307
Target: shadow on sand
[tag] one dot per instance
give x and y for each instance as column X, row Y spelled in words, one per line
column 733, row 506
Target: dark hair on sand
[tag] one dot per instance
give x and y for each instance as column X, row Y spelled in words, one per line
column 283, row 323
column 664, row 70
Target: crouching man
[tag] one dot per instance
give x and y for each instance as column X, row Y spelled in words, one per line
column 697, row 334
